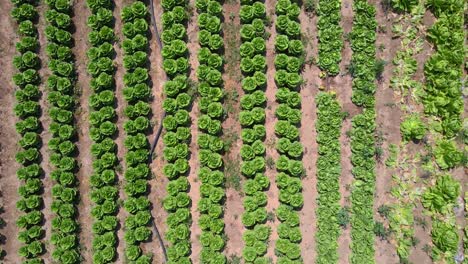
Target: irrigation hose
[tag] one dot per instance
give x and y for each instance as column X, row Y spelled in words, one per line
column 158, row 133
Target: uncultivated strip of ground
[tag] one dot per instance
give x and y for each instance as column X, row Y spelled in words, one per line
column 388, row 126
column 308, row 136
column 231, row 129
column 194, row 192
column 82, row 123
column 270, row 120
column 159, row 181
column 8, row 146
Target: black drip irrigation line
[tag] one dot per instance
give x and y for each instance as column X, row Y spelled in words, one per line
column 158, row 133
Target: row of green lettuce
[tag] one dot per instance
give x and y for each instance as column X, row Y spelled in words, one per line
column 177, row 136
column 28, row 126
column 289, row 60
column 330, row 35
column 328, row 126
column 210, row 144
column 61, row 98
column 442, row 99
column 137, row 94
column 363, row 37
column 252, row 119
column 102, row 118
column 442, row 96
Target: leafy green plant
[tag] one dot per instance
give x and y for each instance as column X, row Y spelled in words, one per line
column 413, row 128
column 442, row 195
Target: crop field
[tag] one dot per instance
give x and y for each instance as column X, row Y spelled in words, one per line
column 234, row 131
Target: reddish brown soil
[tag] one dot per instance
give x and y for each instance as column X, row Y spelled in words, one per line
column 388, row 126
column 158, row 183
column 270, row 121
column 231, row 129
column 8, row 144
column 82, row 118
column 308, row 135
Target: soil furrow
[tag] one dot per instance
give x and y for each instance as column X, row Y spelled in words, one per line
column 82, row 118
column 388, row 126
column 159, row 181
column 308, row 135
column 231, row 128
column 8, row 146
column 194, row 192
column 270, row 120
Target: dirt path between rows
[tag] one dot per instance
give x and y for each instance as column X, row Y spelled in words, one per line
column 82, row 124
column 194, row 192
column 45, row 120
column 231, row 130
column 270, row 142
column 8, row 147
column 388, row 126
column 308, row 136
column 159, row 181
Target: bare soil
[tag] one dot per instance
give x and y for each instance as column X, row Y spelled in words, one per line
column 194, row 192
column 82, row 118
column 8, row 144
column 231, row 129
column 388, row 126
column 270, row 121
column 159, row 181
column 308, row 135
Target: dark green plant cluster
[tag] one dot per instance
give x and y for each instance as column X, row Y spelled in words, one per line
column 104, row 193
column 27, row 110
column 177, row 134
column 61, row 97
column 137, row 94
column 288, row 63
column 209, row 139
column 252, row 119
column 328, row 126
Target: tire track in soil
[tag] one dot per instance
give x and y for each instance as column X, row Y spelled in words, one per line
column 159, row 181
column 342, row 84
column 194, row 192
column 388, row 126
column 8, row 145
column 308, row 134
column 81, row 13
column 270, row 121
column 122, row 214
column 232, row 129
column 45, row 121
